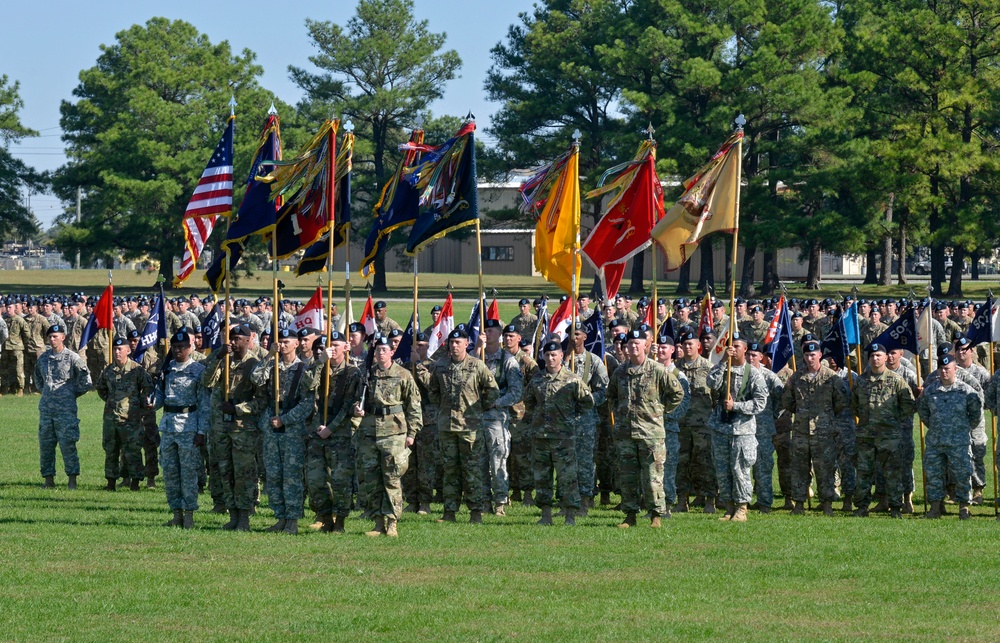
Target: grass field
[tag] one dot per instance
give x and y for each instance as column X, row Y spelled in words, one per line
column 94, row 565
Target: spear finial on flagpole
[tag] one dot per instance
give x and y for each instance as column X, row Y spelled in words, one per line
column 233, row 104
column 272, row 110
column 650, row 131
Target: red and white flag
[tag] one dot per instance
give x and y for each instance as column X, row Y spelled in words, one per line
column 368, row 317
column 775, row 325
column 311, row 315
column 562, row 319
column 438, row 333
column 718, row 350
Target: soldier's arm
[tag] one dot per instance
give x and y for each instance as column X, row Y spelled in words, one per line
column 678, row 414
column 716, row 379
column 788, row 395
column 488, row 389
column 855, row 400
column 974, row 408
column 213, row 369
column 102, row 387
column 671, row 391
column 204, row 397
column 599, row 382
column 39, row 373
column 411, row 407
column 529, row 400
column 906, row 403
column 777, row 390
column 758, row 396
column 612, row 392
column 433, row 386
column 991, row 394
column 924, row 409
column 145, row 383
column 515, row 385
column 840, row 396
column 353, row 376
column 261, row 374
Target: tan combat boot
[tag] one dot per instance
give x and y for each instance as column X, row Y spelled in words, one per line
column 317, row 524
column 977, row 496
column 935, row 510
column 709, row 505
column 390, row 527
column 188, row 520
column 963, row 511
column 654, row 522
column 234, row 519
column 730, row 510
column 500, row 510
column 546, row 518
column 628, row 522
column 528, row 500
column 277, row 526
column 740, row 515
column 379, row 527
column 177, row 520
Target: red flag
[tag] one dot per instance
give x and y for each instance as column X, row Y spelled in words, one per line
column 562, row 319
column 311, row 315
column 705, row 310
column 493, row 312
column 368, row 317
column 772, row 329
column 650, row 317
column 102, row 317
column 613, row 273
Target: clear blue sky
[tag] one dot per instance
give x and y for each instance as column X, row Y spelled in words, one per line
column 46, row 44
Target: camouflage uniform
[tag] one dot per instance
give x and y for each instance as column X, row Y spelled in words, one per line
column 950, row 413
column 392, row 414
column 424, row 467
column 605, row 455
column 151, row 433
column 695, row 465
column 124, row 389
column 97, row 353
column 847, row 442
column 253, row 321
column 671, row 441
column 763, row 469
column 754, row 331
column 461, row 390
column 505, row 370
column 519, row 465
column 285, row 448
column 123, row 325
column 525, row 324
column 639, row 397
column 34, row 346
column 591, row 370
column 553, row 403
column 979, row 380
column 814, row 400
column 74, row 330
column 884, row 406
column 330, row 462
column 232, row 440
column 12, row 356
column 386, row 326
column 61, row 378
column 185, row 403
column 734, row 438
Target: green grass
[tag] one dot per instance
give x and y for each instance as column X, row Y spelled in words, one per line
column 93, row 565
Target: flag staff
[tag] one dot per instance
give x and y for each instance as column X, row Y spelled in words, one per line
column 652, row 195
column 576, row 255
column 479, row 262
column 331, row 194
column 857, row 347
column 348, row 315
column 916, row 363
column 738, row 124
column 229, row 256
column 993, row 417
column 111, row 330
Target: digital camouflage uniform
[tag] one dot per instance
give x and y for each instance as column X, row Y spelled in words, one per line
column 591, row 370
column 330, row 462
column 979, row 375
column 461, row 390
column 734, row 434
column 386, row 326
column 61, row 378
column 151, row 431
column 34, row 346
column 519, row 464
column 950, row 413
column 423, row 471
column 186, row 413
column 671, row 441
column 74, row 331
column 640, row 396
column 553, row 403
column 525, row 324
column 815, row 400
column 884, row 406
column 124, row 389
column 695, row 466
column 496, row 432
column 763, row 469
column 97, row 353
column 754, row 331
column 12, row 355
column 846, row 442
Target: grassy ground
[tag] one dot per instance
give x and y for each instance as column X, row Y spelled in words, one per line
column 93, row 565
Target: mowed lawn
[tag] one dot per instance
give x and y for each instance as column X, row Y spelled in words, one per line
column 94, row 565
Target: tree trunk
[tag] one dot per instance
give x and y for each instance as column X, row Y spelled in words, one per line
column 749, row 263
column 378, row 285
column 728, row 245
column 771, row 282
column 901, row 268
column 955, row 282
column 887, row 245
column 684, row 279
column 871, row 267
column 638, row 267
column 815, row 274
column 706, row 280
column 974, row 260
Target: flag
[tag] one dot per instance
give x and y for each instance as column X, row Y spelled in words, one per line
column 666, row 329
column 398, row 205
column 472, row 328
column 613, row 273
column 779, row 337
column 924, row 336
column 562, row 320
column 557, row 213
column 437, row 335
column 404, row 351
column 155, row 328
column 102, row 317
column 835, row 345
column 315, row 257
column 851, row 327
column 595, row 336
column 718, row 349
column 446, row 183
column 211, row 329
column 212, row 197
column 311, row 315
column 493, row 310
column 705, row 316
column 627, row 217
column 982, row 324
column 901, row 333
column 543, row 324
column 347, row 318
column 709, row 204
column 368, row 317
column 649, row 319
column 215, row 275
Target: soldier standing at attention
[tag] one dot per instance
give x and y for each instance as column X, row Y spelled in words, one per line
column 695, row 466
column 519, row 466
column 763, row 476
column 420, row 479
column 815, row 395
column 34, row 342
column 553, row 401
column 734, row 426
column 496, row 420
column 640, row 393
column 588, row 367
column 884, row 405
column 12, row 355
column 390, row 420
column 125, row 388
column 234, row 434
column 461, row 387
column 665, row 355
column 185, row 422
column 526, row 320
column 950, row 408
column 61, row 377
column 383, row 323
column 285, row 432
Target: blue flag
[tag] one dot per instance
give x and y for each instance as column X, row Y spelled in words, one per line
column 852, row 330
column 155, row 329
column 782, row 347
column 211, row 330
column 405, row 349
column 980, row 329
column 472, row 328
column 666, row 329
column 398, row 205
column 595, row 336
column 834, row 345
column 902, row 333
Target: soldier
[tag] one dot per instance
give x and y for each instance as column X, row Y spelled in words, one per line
column 740, row 394
column 151, row 435
column 75, row 324
column 640, row 393
column 34, row 342
column 763, row 476
column 359, row 350
column 553, row 400
column 665, row 349
column 815, row 395
column 461, row 387
column 61, row 377
column 884, row 405
column 951, row 328
column 496, row 419
column 525, row 321
column 12, row 355
column 519, row 465
column 695, row 466
column 97, row 352
column 592, row 371
column 755, row 330
column 384, row 323
column 284, row 428
column 422, row 472
column 389, row 409
column 719, row 317
column 125, row 388
column 950, row 408
column 968, row 369
column 234, row 434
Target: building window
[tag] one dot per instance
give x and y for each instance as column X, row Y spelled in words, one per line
column 498, row 253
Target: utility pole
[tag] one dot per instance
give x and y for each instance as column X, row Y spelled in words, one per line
column 78, row 223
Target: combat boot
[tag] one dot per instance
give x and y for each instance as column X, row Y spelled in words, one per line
column 882, row 506
column 277, row 526
column 848, row 506
column 963, row 511
column 72, row 483
column 546, row 518
column 528, row 500
column 798, row 508
column 50, row 482
column 741, row 513
column 219, row 508
column 515, row 495
column 570, row 518
column 150, row 482
column 379, row 527
column 977, row 496
column 585, row 504
column 338, row 524
column 133, row 484
column 827, row 508
column 390, row 527
column 908, row 503
column 709, row 505
column 699, row 501
column 730, row 510
column 437, row 496
column 316, row 524
column 935, row 510
column 682, row 505
column 188, row 519
column 654, row 522
column 628, row 522
column 20, row 392
column 895, row 512
column 410, row 508
column 112, row 483
column 424, row 509
column 234, row 519
column 177, row 520
column 861, row 511
column 666, row 514
column 764, row 509
column 476, row 518
column 789, row 504
column 449, row 516
column 325, row 522
column 291, row 527
column 243, row 522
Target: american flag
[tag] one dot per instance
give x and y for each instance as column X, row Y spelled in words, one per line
column 212, row 197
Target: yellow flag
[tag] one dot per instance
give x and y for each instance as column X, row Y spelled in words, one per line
column 709, row 204
column 557, row 231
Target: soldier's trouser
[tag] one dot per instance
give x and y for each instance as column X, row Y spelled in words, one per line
column 461, row 457
column 181, row 460
column 211, row 468
column 845, row 458
column 497, row 448
column 556, row 455
column 702, row 462
column 63, row 430
column 122, row 441
column 284, row 458
column 384, row 460
column 235, row 453
column 421, row 472
column 640, row 463
column 586, row 437
column 683, row 482
column 817, row 452
column 11, row 370
column 672, row 446
column 978, row 465
column 605, row 457
column 885, row 453
column 956, row 463
column 30, row 359
column 783, row 450
column 763, row 470
column 150, row 448
column 734, row 457
column 519, row 465
column 330, row 474
column 907, row 454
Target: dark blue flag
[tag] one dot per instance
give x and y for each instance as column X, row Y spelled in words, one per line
column 315, row 257
column 666, row 329
column 405, row 349
column 595, row 335
column 980, row 330
column 902, row 333
column 783, row 344
column 211, row 329
column 155, row 329
column 472, row 328
column 397, row 206
column 834, row 345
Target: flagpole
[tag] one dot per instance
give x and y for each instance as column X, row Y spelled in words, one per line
column 857, row 324
column 331, row 220
column 923, row 473
column 111, row 330
column 739, row 122
column 993, row 417
column 576, row 255
column 652, row 196
column 413, row 327
column 482, row 311
column 226, row 362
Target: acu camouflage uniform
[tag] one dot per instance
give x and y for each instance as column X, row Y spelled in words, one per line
column 34, row 346
column 591, row 370
column 124, row 389
column 185, row 403
column 884, row 406
column 519, row 465
column 605, row 454
column 423, row 472
column 330, row 462
column 505, row 370
column 12, row 355
column 671, row 441
column 979, row 380
column 763, row 469
column 734, row 446
column 61, row 378
column 950, row 413
column 695, row 466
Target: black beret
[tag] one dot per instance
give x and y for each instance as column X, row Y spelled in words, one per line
column 423, row 337
column 638, row 333
column 810, row 346
column 947, row 358
column 181, row 337
column 511, row 329
column 436, row 309
column 738, row 337
column 686, row 335
column 381, row 340
column 524, row 343
column 755, row 347
column 395, row 332
column 379, row 305
column 287, row 333
column 718, row 304
column 708, row 332
column 875, row 347
column 355, row 327
column 621, row 337
column 306, row 332
column 661, row 301
column 523, row 302
column 666, row 339
column 458, row 333
column 797, row 315
column 944, row 349
column 336, row 336
column 55, row 328
column 493, row 323
column 134, row 334
column 552, row 346
column 119, row 341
